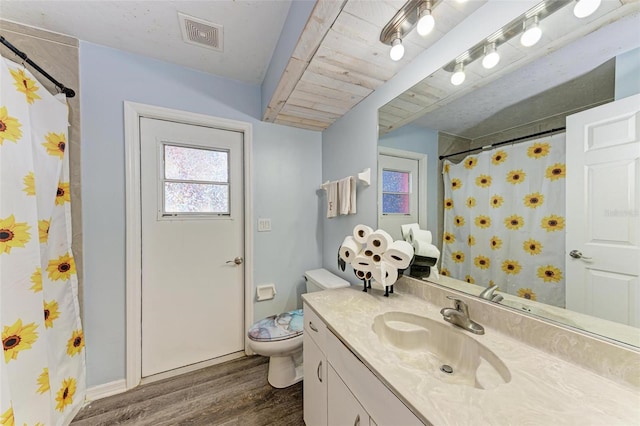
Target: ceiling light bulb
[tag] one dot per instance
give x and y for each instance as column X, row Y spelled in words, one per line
column 397, row 50
column 425, row 20
column 584, row 8
column 457, row 78
column 491, row 56
column 532, row 32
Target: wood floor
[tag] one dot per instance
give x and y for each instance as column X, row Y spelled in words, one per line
column 229, row 394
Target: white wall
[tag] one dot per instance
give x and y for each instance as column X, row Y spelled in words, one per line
column 351, row 143
column 286, row 174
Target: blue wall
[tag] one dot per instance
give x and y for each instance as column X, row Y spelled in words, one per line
column 627, row 74
column 424, row 141
column 286, row 174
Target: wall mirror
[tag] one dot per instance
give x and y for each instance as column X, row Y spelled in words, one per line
column 576, row 66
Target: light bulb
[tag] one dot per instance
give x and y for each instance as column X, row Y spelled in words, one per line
column 491, row 56
column 397, row 50
column 425, row 19
column 457, row 78
column 584, row 8
column 532, row 32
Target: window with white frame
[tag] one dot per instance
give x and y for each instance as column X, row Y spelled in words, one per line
column 195, row 181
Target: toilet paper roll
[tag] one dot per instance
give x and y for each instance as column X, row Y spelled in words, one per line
column 385, row 274
column 362, row 263
column 419, row 235
column 362, row 275
column 349, row 249
column 361, row 233
column 421, row 248
column 406, row 228
column 379, row 241
column 399, row 254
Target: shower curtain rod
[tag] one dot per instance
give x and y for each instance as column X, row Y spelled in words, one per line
column 546, row 132
column 69, row 93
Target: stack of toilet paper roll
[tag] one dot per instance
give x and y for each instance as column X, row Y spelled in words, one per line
column 374, row 254
column 421, row 241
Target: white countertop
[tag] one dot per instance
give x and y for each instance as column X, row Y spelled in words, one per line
column 544, row 390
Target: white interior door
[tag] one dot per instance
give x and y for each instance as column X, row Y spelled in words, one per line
column 192, row 226
column 399, row 194
column 603, row 211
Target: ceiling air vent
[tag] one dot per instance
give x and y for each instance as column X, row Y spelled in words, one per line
column 200, row 32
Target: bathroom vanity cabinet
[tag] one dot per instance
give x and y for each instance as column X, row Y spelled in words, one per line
column 341, row 390
column 362, row 366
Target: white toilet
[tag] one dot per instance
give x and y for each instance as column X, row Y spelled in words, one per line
column 280, row 336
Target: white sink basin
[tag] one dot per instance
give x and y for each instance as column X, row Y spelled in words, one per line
column 452, row 355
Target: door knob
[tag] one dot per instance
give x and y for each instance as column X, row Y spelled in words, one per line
column 238, row 260
column 576, row 254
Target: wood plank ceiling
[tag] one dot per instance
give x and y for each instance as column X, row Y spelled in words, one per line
column 339, row 60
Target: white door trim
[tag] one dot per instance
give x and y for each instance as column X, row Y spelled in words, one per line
column 132, row 113
column 422, row 174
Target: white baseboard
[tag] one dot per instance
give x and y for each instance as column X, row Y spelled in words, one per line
column 105, row 390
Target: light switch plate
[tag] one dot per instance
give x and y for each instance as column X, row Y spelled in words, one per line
column 264, row 225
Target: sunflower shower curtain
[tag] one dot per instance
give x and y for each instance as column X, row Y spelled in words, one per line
column 504, row 213
column 42, row 373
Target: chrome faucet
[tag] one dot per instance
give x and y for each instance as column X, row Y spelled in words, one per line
column 459, row 315
column 488, row 294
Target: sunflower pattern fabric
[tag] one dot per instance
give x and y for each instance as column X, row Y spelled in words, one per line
column 42, row 371
column 504, row 219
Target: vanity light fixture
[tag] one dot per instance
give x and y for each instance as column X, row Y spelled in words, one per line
column 414, row 13
column 584, row 8
column 487, row 49
column 491, row 56
column 532, row 32
column 457, row 78
column 425, row 19
column 397, row 49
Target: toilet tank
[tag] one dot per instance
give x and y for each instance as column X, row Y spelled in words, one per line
column 321, row 279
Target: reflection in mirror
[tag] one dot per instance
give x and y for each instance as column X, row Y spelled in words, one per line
column 578, row 65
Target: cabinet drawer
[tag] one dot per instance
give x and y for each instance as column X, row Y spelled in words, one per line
column 343, row 408
column 315, row 328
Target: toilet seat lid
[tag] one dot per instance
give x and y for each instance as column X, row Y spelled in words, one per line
column 277, row 327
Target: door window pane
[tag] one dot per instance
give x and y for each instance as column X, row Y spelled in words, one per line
column 395, row 203
column 195, row 181
column 195, row 198
column 393, row 181
column 183, row 163
column 395, row 192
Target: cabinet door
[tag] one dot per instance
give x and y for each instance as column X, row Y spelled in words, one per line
column 315, row 384
column 343, row 407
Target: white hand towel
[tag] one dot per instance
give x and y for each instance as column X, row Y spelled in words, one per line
column 332, row 198
column 352, row 206
column 344, row 195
